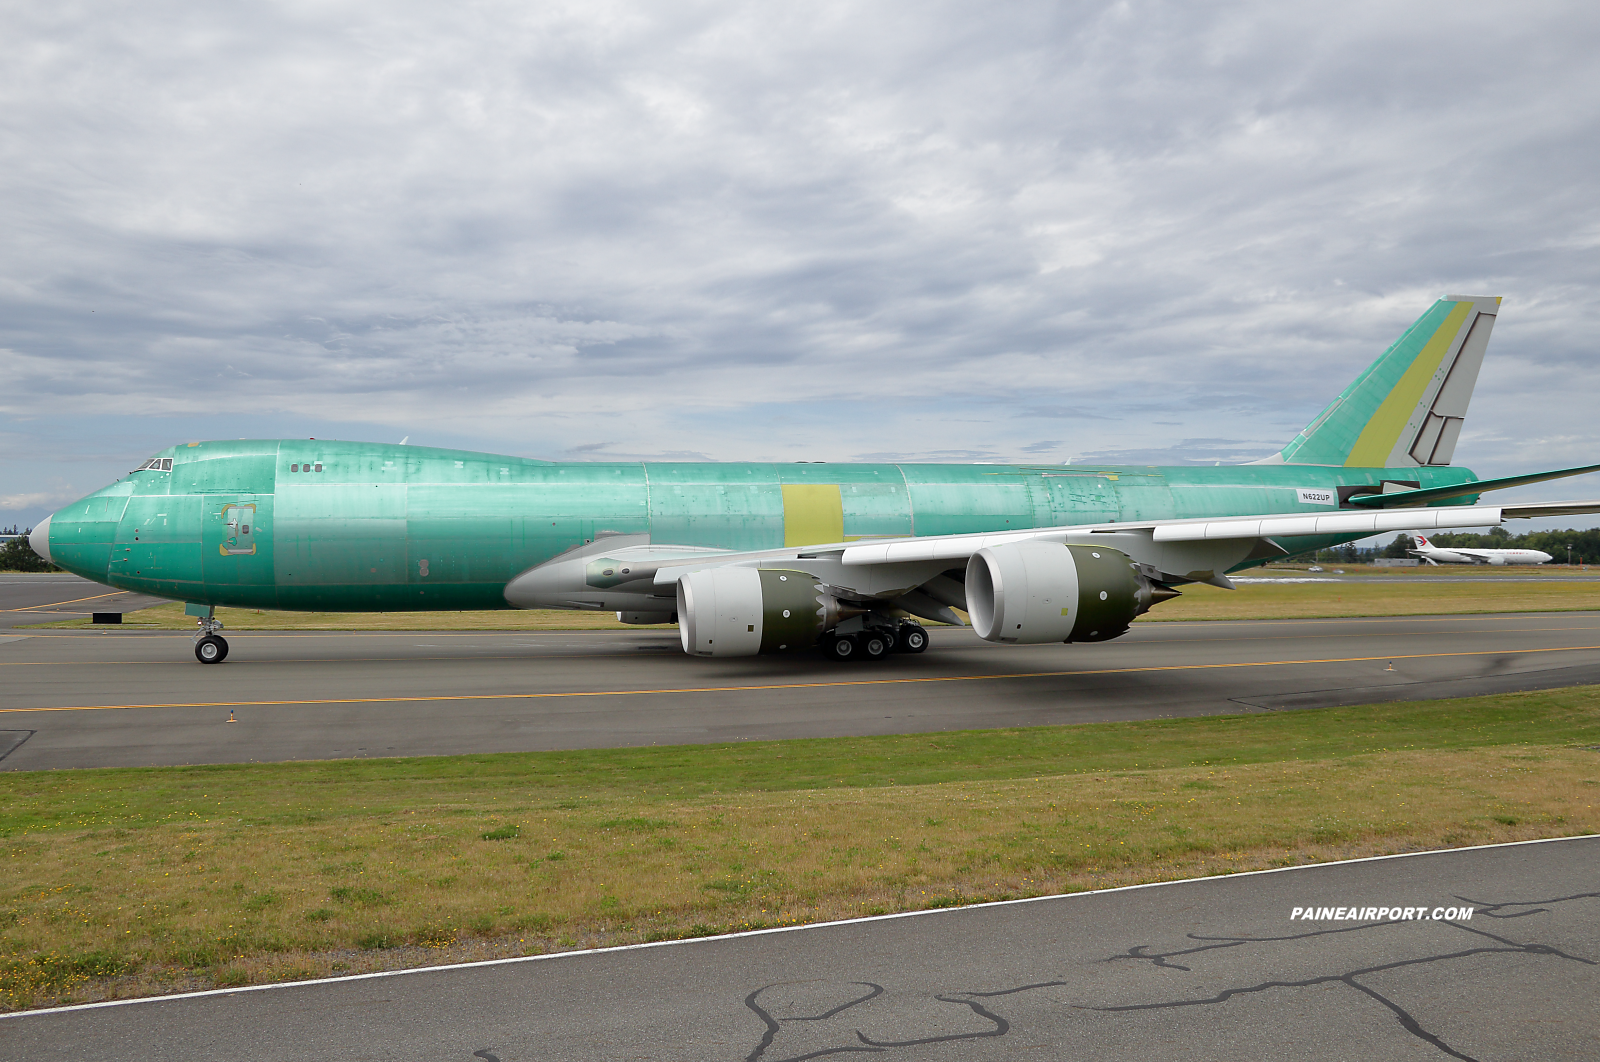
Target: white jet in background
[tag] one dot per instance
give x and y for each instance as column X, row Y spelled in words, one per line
column 1467, row 555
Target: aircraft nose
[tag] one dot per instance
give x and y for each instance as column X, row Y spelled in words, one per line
column 39, row 539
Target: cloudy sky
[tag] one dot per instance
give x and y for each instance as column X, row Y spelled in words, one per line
column 921, row 231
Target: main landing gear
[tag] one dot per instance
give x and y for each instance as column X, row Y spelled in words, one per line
column 875, row 643
column 209, row 646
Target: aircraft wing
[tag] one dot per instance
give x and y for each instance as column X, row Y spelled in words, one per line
column 632, row 573
column 1528, row 512
column 1200, row 529
column 1169, row 551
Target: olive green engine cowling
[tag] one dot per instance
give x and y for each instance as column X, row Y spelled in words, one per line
column 1111, row 594
column 1032, row 592
column 793, row 611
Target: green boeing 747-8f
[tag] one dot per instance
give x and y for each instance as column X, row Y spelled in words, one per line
column 762, row 558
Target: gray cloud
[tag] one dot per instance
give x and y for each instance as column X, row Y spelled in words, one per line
column 737, row 231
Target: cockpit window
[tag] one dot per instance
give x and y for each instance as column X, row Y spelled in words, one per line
column 156, row 464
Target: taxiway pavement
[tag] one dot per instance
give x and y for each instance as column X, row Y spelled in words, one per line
column 113, row 697
column 1215, row 968
column 41, row 597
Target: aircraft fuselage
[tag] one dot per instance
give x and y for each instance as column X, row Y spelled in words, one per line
column 341, row 526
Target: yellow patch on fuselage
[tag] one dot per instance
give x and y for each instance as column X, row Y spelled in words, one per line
column 812, row 513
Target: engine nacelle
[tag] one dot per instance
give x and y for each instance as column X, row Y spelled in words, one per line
column 746, row 611
column 1031, row 592
column 647, row 617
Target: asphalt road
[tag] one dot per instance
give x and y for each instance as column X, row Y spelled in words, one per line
column 1207, row 969
column 27, row 597
column 108, row 697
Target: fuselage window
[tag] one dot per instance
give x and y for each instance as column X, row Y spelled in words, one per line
column 319, row 466
column 294, row 468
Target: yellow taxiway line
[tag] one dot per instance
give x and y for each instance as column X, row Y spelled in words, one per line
column 287, row 635
column 792, row 685
column 74, row 601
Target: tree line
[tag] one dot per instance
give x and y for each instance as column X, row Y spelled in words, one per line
column 1585, row 545
column 18, row 556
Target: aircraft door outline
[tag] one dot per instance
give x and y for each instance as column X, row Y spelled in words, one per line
column 240, row 523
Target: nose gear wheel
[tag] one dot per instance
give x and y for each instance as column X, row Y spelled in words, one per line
column 212, row 649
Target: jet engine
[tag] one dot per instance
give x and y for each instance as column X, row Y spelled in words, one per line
column 746, row 611
column 1031, row 592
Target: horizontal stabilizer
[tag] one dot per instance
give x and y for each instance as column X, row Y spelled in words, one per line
column 1461, row 490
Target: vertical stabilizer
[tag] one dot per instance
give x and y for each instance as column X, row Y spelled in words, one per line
column 1407, row 408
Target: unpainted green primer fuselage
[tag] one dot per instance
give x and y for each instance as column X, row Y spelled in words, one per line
column 396, row 528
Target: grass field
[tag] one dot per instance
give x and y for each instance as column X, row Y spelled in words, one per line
column 135, row 881
column 1410, row 594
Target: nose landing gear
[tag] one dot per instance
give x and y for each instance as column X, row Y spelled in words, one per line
column 211, row 649
column 209, row 646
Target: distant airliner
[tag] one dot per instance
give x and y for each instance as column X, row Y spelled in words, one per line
column 755, row 558
column 1465, row 555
